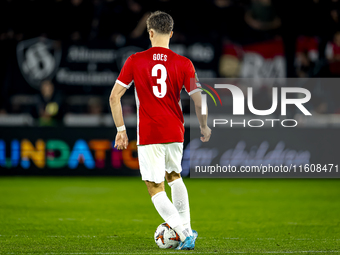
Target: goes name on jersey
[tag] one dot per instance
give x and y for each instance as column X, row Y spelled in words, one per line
column 162, row 57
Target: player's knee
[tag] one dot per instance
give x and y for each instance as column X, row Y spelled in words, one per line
column 154, row 188
column 170, row 177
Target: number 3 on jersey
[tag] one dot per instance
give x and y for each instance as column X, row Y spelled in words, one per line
column 160, row 81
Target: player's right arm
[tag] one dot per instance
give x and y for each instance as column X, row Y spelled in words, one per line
column 121, row 141
column 202, row 119
column 123, row 82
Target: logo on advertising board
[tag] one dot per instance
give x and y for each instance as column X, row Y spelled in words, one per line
column 38, row 59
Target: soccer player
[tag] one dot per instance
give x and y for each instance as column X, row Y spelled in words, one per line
column 159, row 75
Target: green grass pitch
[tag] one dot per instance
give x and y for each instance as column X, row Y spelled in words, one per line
column 111, row 215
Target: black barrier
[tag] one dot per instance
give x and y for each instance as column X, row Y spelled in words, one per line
column 89, row 151
column 95, row 64
column 264, row 153
column 66, row 151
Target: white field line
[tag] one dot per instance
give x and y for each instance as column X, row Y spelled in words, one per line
column 183, row 252
column 214, row 238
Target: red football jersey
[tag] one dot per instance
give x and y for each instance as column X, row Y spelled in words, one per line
column 159, row 75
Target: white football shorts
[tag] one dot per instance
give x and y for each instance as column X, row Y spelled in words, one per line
column 155, row 159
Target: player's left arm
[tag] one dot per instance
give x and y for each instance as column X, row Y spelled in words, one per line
column 117, row 92
column 193, row 87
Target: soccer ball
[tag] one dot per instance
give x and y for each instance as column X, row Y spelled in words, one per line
column 166, row 237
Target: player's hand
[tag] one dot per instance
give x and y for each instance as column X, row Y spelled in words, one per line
column 206, row 132
column 121, row 141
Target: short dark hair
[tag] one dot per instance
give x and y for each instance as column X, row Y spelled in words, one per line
column 161, row 22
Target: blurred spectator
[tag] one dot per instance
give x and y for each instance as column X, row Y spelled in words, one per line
column 303, row 65
column 262, row 15
column 334, row 9
column 230, row 63
column 307, row 54
column 121, row 20
column 98, row 9
column 78, row 16
column 139, row 26
column 333, row 48
column 312, row 16
column 221, row 14
column 49, row 104
column 95, row 106
column 320, row 106
column 333, row 54
column 4, row 18
column 3, row 111
column 112, row 14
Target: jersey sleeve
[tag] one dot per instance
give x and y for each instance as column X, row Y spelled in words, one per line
column 191, row 83
column 125, row 77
